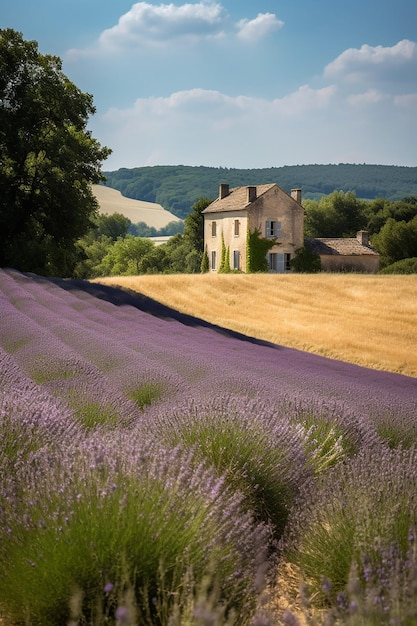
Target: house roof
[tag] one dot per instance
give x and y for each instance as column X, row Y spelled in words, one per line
column 236, row 199
column 349, row 246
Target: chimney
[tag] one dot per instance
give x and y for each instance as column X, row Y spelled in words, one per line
column 251, row 194
column 363, row 237
column 223, row 190
column 296, row 195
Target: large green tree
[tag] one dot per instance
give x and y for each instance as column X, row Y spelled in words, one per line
column 125, row 256
column 194, row 224
column 48, row 160
column 114, row 226
column 396, row 241
column 379, row 210
column 340, row 214
column 184, row 252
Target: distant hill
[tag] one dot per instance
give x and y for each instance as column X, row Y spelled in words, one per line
column 178, row 187
column 112, row 201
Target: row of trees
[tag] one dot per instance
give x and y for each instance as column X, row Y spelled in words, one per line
column 109, row 248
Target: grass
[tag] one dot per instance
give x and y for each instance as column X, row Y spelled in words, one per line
column 94, row 414
column 146, row 393
column 364, row 319
column 399, row 432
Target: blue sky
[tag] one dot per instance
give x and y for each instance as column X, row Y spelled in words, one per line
column 238, row 83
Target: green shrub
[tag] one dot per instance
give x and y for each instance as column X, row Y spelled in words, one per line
column 205, row 265
column 306, row 262
column 406, row 266
column 225, row 259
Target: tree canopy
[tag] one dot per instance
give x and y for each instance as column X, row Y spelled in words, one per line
column 396, row 241
column 339, row 214
column 109, row 248
column 101, row 253
column 114, row 226
column 48, row 160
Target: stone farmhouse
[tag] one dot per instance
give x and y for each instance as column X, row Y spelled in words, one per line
column 278, row 216
column 265, row 208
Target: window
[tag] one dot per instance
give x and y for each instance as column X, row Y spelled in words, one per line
column 273, row 262
column 213, row 259
column 237, row 224
column 279, row 263
column 273, row 228
column 236, row 260
column 213, row 229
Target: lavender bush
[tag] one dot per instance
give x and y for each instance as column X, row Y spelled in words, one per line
column 397, row 426
column 331, row 433
column 146, row 464
column 256, row 453
column 102, row 517
column 359, row 524
column 30, row 418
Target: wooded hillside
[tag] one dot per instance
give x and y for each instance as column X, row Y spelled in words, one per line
column 178, row 187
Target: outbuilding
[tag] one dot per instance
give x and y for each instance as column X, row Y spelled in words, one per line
column 350, row 254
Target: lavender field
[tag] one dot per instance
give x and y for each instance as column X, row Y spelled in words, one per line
column 157, row 470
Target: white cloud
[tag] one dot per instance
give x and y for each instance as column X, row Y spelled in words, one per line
column 197, row 105
column 305, row 99
column 407, row 101
column 376, row 63
column 370, row 97
column 262, row 25
column 147, row 25
column 208, row 127
column 212, row 128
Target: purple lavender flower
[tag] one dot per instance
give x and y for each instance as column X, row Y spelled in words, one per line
column 81, row 443
column 289, row 619
column 122, row 615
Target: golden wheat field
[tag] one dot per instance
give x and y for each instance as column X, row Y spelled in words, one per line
column 370, row 320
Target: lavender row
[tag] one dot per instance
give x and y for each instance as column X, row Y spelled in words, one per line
column 201, row 353
column 122, row 428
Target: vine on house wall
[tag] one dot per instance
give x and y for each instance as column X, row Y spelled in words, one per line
column 257, row 248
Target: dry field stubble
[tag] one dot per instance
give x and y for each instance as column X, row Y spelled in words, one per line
column 370, row 320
